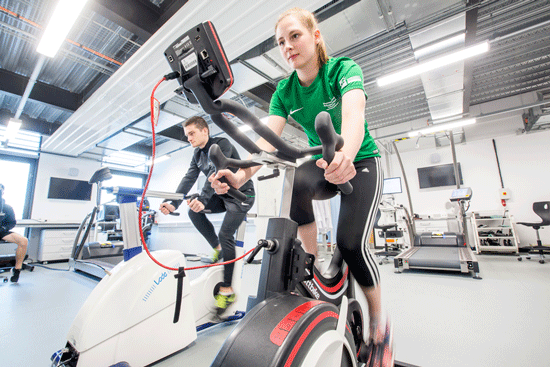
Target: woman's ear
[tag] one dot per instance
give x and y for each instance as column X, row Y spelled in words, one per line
column 317, row 36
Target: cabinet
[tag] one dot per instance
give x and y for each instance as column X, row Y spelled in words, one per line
column 494, row 232
column 56, row 244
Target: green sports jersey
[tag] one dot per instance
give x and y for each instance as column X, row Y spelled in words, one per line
column 334, row 79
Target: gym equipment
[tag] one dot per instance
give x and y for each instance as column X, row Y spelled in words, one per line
column 542, row 209
column 281, row 327
column 94, row 258
column 386, row 253
column 441, row 251
column 128, row 318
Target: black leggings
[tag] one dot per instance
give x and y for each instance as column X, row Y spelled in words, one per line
column 235, row 214
column 357, row 212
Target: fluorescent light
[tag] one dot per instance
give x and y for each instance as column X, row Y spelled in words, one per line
column 442, row 127
column 65, row 14
column 158, row 160
column 434, row 64
column 12, row 129
column 449, row 42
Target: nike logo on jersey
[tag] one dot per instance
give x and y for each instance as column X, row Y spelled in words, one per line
column 293, row 111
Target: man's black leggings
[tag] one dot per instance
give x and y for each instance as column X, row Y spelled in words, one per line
column 357, row 212
column 235, row 214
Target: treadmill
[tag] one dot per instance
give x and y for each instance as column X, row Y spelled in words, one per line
column 442, row 251
column 95, row 258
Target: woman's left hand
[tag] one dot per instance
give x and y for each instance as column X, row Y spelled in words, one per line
column 340, row 170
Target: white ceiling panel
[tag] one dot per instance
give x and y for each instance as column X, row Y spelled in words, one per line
column 241, row 25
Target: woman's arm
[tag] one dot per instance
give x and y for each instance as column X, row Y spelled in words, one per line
column 341, row 169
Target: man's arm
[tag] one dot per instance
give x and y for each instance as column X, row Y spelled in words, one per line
column 187, row 181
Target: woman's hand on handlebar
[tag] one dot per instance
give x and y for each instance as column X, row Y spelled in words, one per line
column 195, row 205
column 236, row 180
column 340, row 170
column 167, row 208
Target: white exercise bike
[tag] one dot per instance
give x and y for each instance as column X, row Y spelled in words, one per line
column 128, row 319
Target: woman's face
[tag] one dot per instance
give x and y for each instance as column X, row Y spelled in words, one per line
column 296, row 43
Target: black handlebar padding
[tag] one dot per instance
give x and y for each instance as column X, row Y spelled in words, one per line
column 331, row 142
column 220, row 161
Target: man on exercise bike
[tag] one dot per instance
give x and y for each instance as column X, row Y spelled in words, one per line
column 7, row 222
column 197, row 132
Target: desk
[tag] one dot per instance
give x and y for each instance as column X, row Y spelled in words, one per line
column 63, row 231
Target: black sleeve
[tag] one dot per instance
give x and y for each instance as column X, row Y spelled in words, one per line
column 187, row 182
column 8, row 221
column 207, row 190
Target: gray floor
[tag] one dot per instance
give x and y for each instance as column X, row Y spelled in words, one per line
column 440, row 319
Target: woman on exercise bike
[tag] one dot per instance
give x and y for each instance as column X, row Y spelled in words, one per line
column 335, row 85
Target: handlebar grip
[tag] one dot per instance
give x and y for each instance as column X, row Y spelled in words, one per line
column 220, row 161
column 233, row 192
column 331, row 143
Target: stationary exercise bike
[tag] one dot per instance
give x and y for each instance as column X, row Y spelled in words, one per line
column 128, row 319
column 300, row 316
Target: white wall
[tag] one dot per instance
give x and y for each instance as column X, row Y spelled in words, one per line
column 55, row 209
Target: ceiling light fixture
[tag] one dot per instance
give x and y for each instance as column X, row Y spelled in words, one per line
column 442, row 127
column 434, row 64
column 12, row 129
column 64, row 16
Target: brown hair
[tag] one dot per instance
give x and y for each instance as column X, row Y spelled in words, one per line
column 308, row 20
column 199, row 122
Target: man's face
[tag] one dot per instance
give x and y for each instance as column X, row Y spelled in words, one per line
column 197, row 137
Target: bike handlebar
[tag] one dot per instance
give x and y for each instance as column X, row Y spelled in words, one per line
column 331, row 141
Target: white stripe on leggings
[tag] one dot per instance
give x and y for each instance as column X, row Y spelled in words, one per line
column 369, row 224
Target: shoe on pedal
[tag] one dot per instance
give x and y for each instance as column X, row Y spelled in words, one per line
column 382, row 354
column 212, row 259
column 223, row 302
column 216, row 256
column 15, row 277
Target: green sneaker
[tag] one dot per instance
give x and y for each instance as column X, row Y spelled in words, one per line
column 216, row 256
column 222, row 302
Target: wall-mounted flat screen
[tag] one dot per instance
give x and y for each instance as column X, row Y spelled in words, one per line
column 64, row 188
column 436, row 176
column 392, row 185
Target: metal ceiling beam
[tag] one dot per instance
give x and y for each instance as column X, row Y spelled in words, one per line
column 470, row 39
column 137, row 17
column 15, row 84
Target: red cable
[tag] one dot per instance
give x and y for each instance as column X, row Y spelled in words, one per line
column 145, row 191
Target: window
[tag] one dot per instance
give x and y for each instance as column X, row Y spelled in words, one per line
column 125, row 179
column 18, row 180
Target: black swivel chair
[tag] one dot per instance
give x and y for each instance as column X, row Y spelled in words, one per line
column 542, row 209
column 386, row 254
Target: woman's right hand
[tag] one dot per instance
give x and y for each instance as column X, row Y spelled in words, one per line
column 236, row 180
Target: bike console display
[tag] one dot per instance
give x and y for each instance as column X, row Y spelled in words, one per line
column 200, row 52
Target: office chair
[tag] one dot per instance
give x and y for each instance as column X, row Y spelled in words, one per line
column 542, row 209
column 386, row 253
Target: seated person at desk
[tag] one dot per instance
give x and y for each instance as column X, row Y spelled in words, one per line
column 7, row 222
column 198, row 134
